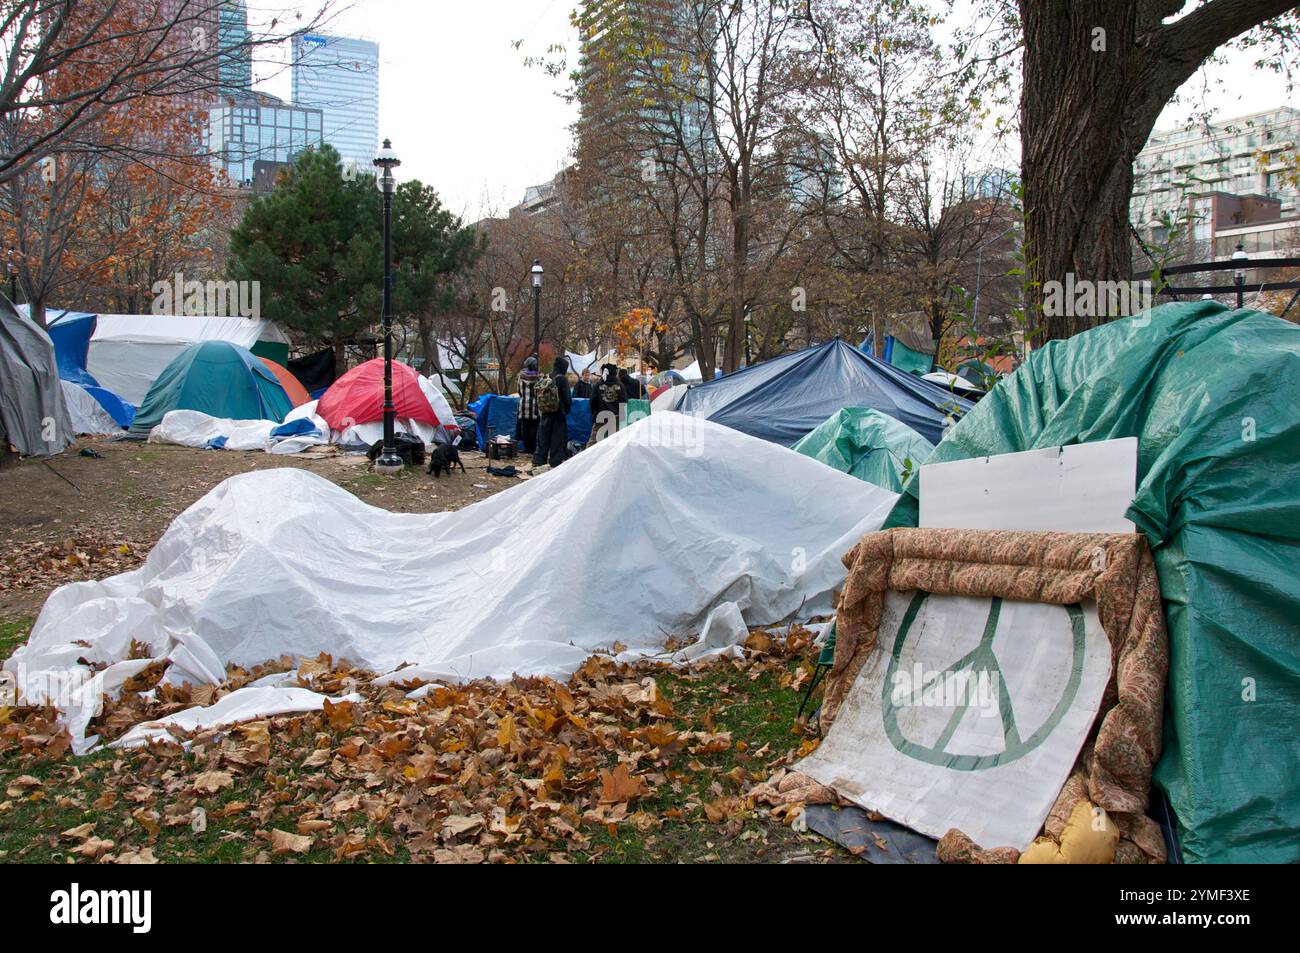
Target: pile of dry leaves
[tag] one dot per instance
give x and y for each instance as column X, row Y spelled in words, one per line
column 529, row 769
column 46, row 565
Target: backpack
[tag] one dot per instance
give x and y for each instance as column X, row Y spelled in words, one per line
column 611, row 393
column 548, row 395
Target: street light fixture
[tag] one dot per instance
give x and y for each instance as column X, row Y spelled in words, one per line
column 386, row 162
column 537, row 308
column 1239, row 275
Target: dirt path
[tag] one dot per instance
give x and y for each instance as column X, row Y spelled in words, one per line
column 85, row 518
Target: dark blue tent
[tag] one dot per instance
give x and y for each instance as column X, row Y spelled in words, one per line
column 783, row 399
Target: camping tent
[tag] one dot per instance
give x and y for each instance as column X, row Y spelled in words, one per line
column 218, row 378
column 868, row 445
column 127, row 352
column 296, row 392
column 784, row 398
column 33, row 416
column 86, row 413
column 1218, row 446
column 358, row 397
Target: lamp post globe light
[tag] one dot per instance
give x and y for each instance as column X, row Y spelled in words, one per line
column 386, row 162
column 1239, row 274
column 537, row 308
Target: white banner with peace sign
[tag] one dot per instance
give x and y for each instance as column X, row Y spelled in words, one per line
column 969, row 715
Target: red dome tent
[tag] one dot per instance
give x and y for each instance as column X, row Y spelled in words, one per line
column 358, row 397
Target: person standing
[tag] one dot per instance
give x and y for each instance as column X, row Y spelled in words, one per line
column 529, row 416
column 583, row 387
column 553, row 401
column 608, row 403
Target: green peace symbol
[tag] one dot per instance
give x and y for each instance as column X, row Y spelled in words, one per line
column 979, row 660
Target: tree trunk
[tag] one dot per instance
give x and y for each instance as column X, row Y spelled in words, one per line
column 1097, row 74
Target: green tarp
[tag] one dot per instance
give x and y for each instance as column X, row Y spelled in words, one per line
column 217, row 378
column 1213, row 397
column 276, row 351
column 868, row 445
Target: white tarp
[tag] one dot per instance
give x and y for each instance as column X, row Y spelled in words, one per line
column 282, row 561
column 193, row 428
column 88, row 415
column 669, row 399
column 129, row 351
column 969, row 714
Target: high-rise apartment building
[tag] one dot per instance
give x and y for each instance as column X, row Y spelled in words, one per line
column 340, row 77
column 1248, row 155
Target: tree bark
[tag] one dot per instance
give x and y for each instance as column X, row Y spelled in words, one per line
column 1086, row 113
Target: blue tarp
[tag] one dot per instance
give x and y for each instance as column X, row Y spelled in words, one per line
column 71, row 332
column 122, row 413
column 783, row 399
column 498, row 413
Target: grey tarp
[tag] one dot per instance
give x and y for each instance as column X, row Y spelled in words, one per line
column 32, row 414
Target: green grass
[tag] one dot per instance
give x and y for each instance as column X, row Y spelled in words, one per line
column 12, row 635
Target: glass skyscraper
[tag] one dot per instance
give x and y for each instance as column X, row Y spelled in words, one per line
column 247, row 127
column 340, row 77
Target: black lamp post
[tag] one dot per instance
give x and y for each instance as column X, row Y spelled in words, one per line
column 1239, row 276
column 386, row 162
column 537, row 308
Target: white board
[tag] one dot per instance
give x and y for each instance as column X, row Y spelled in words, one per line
column 969, row 714
column 1083, row 488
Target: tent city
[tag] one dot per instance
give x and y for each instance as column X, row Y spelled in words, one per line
column 650, row 431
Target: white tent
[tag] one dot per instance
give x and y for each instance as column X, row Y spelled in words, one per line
column 88, row 416
column 691, row 372
column 282, row 561
column 129, row 351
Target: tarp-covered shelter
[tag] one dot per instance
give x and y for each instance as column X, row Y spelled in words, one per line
column 33, row 416
column 316, row 371
column 86, row 413
column 127, row 352
column 1210, row 395
column 71, row 332
column 783, row 399
column 868, row 445
column 218, row 378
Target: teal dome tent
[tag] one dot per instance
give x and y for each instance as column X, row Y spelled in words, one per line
column 217, row 378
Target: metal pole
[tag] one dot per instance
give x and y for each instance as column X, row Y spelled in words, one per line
column 537, row 323
column 389, row 456
column 1240, row 281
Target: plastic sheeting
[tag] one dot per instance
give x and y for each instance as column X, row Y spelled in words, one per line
column 783, row 399
column 192, row 428
column 86, row 413
column 1211, row 396
column 868, row 445
column 33, row 415
column 71, row 332
column 282, row 561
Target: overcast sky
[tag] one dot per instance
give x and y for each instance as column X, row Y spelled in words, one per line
column 469, row 118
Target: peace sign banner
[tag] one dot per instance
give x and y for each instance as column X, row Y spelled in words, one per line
column 969, row 714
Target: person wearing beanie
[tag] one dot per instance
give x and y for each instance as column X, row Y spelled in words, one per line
column 554, row 401
column 529, row 416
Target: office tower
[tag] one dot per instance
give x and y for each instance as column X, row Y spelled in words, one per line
column 340, row 77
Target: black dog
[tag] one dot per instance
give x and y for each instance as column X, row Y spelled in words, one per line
column 444, row 457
